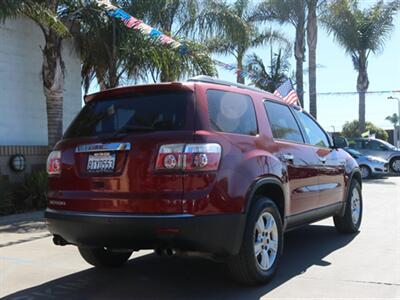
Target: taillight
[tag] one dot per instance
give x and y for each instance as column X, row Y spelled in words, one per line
column 54, row 163
column 170, row 157
column 202, row 157
column 189, row 157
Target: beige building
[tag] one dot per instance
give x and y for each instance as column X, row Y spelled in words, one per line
column 23, row 119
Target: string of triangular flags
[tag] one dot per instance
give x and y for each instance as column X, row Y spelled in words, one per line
column 155, row 34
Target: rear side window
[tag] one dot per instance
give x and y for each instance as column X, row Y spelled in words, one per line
column 231, row 112
column 283, row 123
column 316, row 136
column 161, row 111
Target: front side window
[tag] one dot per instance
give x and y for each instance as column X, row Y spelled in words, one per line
column 231, row 112
column 315, row 135
column 282, row 122
column 376, row 145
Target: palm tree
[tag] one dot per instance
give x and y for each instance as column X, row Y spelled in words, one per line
column 112, row 53
column 106, row 48
column 291, row 12
column 51, row 20
column 360, row 32
column 269, row 78
column 394, row 119
column 232, row 28
column 175, row 18
column 312, row 36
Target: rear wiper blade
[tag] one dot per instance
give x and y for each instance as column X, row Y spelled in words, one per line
column 133, row 128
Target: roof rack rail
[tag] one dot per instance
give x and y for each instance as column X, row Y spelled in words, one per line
column 209, row 79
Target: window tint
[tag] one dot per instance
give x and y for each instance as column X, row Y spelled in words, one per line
column 159, row 111
column 316, row 136
column 375, row 145
column 356, row 144
column 282, row 122
column 231, row 112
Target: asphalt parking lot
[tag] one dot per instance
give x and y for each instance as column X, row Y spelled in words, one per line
column 317, row 263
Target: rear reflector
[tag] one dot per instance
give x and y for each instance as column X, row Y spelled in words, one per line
column 189, row 157
column 54, row 163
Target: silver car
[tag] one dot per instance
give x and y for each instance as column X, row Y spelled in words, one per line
column 378, row 148
column 370, row 165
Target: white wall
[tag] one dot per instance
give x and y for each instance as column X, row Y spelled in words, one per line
column 23, row 118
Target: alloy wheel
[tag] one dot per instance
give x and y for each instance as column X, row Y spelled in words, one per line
column 364, row 172
column 396, row 165
column 355, row 206
column 265, row 241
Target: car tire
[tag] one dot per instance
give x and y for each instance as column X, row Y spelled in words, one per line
column 351, row 220
column 100, row 257
column 365, row 172
column 263, row 234
column 395, row 165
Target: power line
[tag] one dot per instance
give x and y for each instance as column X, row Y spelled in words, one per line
column 356, row 93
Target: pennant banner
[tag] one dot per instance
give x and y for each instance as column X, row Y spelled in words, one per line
column 153, row 33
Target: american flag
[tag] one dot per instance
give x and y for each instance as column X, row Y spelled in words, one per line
column 287, row 93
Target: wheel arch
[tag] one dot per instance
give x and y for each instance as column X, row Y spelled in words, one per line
column 355, row 175
column 270, row 187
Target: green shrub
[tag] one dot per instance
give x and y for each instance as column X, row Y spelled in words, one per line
column 6, row 203
column 32, row 191
column 350, row 130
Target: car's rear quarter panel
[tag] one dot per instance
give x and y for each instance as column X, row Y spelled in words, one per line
column 244, row 159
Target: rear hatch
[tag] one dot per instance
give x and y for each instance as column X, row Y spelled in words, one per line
column 109, row 152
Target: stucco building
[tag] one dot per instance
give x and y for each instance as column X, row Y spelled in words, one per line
column 23, row 119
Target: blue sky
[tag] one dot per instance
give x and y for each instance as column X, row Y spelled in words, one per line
column 338, row 75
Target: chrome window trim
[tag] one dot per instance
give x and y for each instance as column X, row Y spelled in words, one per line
column 99, row 147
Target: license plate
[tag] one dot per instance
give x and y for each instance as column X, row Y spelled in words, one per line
column 101, row 162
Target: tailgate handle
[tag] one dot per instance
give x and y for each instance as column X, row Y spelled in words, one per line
column 103, row 147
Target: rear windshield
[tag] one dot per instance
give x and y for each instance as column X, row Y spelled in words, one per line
column 161, row 111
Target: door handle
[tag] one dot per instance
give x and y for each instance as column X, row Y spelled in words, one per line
column 287, row 157
column 322, row 159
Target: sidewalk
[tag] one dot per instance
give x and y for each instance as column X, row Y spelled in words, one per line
column 21, row 228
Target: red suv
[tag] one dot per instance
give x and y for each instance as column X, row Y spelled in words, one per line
column 204, row 167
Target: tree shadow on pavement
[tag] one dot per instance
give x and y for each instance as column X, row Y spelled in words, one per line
column 153, row 277
column 24, row 227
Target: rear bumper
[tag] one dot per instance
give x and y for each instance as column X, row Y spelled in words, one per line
column 216, row 234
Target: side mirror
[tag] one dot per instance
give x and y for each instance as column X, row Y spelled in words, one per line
column 340, row 142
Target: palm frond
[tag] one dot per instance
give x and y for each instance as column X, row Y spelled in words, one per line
column 10, row 8
column 269, row 36
column 45, row 17
column 359, row 30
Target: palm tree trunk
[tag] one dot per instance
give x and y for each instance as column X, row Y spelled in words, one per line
column 165, row 76
column 362, row 88
column 312, row 36
column 53, row 85
column 361, row 110
column 299, row 49
column 112, row 71
column 239, row 61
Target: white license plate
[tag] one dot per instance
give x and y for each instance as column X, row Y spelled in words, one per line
column 101, row 162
